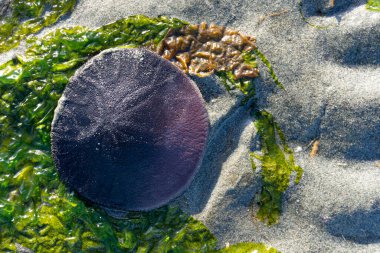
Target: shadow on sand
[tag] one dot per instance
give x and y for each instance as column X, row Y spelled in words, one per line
column 361, row 226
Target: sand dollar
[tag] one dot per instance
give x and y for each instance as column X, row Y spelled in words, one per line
column 129, row 131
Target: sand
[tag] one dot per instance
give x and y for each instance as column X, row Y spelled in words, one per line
column 332, row 78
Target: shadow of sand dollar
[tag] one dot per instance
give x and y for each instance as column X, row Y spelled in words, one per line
column 209, row 87
column 361, row 226
column 223, row 140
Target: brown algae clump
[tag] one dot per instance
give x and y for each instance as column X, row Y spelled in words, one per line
column 205, row 49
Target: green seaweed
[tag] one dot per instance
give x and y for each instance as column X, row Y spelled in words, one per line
column 36, row 210
column 29, row 17
column 246, row 85
column 249, row 247
column 270, row 69
column 277, row 165
column 243, row 85
column 277, row 159
column 373, row 5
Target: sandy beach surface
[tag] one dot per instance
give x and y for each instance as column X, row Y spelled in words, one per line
column 332, row 80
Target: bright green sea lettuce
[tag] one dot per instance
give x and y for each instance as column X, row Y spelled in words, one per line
column 29, row 17
column 277, row 165
column 373, row 5
column 249, row 247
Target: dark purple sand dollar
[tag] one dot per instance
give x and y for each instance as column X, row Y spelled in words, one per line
column 129, row 131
